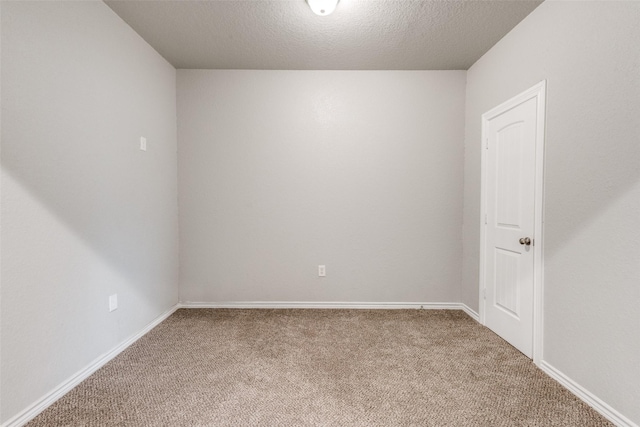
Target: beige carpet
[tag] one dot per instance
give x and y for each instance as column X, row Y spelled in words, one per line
column 319, row 368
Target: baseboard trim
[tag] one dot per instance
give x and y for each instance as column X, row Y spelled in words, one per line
column 586, row 396
column 474, row 315
column 47, row 400
column 328, row 305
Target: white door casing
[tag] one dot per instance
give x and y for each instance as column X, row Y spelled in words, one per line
column 512, row 179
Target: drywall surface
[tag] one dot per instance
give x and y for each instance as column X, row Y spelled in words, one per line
column 282, row 171
column 588, row 52
column 85, row 213
column 287, row 35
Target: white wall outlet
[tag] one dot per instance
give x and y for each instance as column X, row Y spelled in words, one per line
column 143, row 143
column 322, row 271
column 113, row 302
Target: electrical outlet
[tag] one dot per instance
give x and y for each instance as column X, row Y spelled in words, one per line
column 143, row 143
column 322, row 271
column 113, row 302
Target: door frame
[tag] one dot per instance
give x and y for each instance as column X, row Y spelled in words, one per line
column 539, row 92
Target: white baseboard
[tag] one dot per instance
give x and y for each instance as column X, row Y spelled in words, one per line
column 44, row 402
column 589, row 398
column 334, row 305
column 337, row 305
column 475, row 316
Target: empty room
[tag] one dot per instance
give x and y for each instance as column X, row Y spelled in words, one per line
column 320, row 213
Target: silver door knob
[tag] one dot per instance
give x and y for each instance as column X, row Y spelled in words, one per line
column 525, row 241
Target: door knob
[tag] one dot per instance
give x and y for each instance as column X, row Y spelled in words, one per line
column 525, row 241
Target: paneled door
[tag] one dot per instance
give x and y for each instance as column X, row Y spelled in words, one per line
column 509, row 190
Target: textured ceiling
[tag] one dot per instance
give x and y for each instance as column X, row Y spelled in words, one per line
column 359, row 35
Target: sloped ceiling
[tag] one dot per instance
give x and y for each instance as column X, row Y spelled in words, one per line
column 359, row 35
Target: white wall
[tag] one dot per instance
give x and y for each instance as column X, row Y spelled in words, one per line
column 85, row 213
column 589, row 52
column 280, row 171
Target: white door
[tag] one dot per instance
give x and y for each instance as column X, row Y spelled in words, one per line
column 509, row 192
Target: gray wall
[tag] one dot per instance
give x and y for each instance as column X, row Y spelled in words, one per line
column 280, row 171
column 589, row 53
column 85, row 213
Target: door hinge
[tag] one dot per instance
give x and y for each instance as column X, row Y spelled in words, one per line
column 486, row 143
column 485, row 219
column 484, row 293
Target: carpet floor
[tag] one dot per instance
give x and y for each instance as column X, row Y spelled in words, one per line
column 219, row 367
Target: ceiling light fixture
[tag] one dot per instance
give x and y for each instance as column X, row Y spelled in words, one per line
column 323, row 7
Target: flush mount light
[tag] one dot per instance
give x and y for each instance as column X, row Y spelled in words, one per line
column 322, row 7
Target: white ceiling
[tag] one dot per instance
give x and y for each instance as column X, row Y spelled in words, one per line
column 359, row 35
